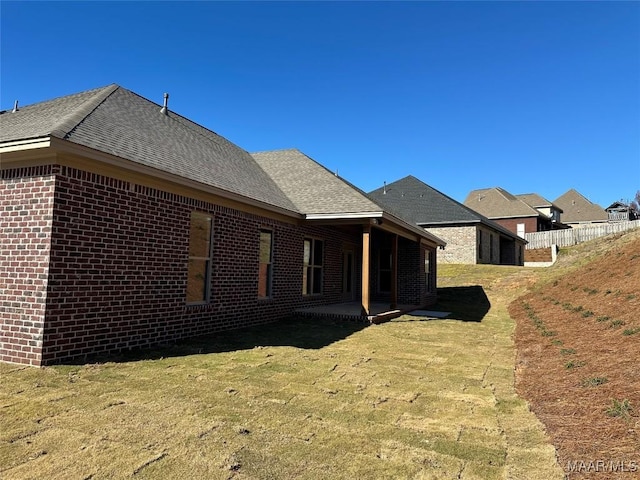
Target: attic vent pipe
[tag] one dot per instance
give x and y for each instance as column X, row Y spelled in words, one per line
column 15, row 107
column 384, row 189
column 165, row 108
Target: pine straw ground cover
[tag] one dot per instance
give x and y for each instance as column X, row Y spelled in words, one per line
column 578, row 341
column 407, row 399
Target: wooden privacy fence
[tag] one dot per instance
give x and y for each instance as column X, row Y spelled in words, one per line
column 573, row 236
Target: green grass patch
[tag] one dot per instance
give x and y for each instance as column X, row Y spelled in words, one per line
column 571, row 364
column 631, row 331
column 620, row 408
column 594, row 381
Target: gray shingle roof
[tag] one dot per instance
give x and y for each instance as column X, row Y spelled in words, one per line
column 117, row 121
column 498, row 203
column 537, row 201
column 311, row 187
column 577, row 208
column 423, row 205
column 55, row 117
column 121, row 123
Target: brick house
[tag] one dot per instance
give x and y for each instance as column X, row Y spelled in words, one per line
column 519, row 214
column 123, row 225
column 471, row 237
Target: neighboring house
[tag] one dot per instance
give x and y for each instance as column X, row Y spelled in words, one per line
column 578, row 211
column 471, row 237
column 620, row 212
column 545, row 207
column 509, row 211
column 124, row 225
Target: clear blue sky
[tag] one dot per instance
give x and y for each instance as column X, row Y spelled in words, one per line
column 533, row 97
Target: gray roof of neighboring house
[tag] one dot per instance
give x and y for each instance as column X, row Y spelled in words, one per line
column 312, row 188
column 498, row 203
column 423, row 205
column 536, row 201
column 577, row 208
column 117, row 121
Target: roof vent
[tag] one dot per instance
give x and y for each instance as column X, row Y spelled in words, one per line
column 15, row 107
column 384, row 189
column 165, row 108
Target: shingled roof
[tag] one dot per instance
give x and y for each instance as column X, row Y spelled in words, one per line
column 578, row 208
column 119, row 122
column 423, row 205
column 311, row 187
column 537, row 201
column 498, row 203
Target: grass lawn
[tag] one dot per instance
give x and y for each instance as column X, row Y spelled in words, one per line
column 299, row 399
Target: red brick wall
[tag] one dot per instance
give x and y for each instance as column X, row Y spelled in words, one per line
column 511, row 224
column 25, row 226
column 118, row 267
column 413, row 288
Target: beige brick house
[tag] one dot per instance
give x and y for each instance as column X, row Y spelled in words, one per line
column 471, row 238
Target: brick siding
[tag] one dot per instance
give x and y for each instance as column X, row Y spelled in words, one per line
column 538, row 255
column 511, row 224
column 461, row 244
column 26, row 213
column 117, row 256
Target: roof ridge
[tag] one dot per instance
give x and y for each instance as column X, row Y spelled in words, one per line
column 71, row 121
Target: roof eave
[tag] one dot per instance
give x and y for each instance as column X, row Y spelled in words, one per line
column 25, row 144
column 59, row 146
column 343, row 215
column 380, row 219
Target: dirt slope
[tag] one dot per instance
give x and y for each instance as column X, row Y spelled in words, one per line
column 578, row 364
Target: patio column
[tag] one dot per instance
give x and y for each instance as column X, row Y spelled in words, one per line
column 366, row 248
column 394, row 272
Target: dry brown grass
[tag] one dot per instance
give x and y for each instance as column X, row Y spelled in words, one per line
column 300, row 399
column 578, row 340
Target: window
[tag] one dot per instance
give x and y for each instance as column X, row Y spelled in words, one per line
column 347, row 272
column 266, row 263
column 427, row 269
column 199, row 269
column 480, row 246
column 385, row 264
column 491, row 248
column 312, row 273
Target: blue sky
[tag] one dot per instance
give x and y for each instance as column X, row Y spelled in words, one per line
column 533, row 97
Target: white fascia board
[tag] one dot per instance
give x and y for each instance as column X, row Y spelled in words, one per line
column 26, row 144
column 343, row 216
